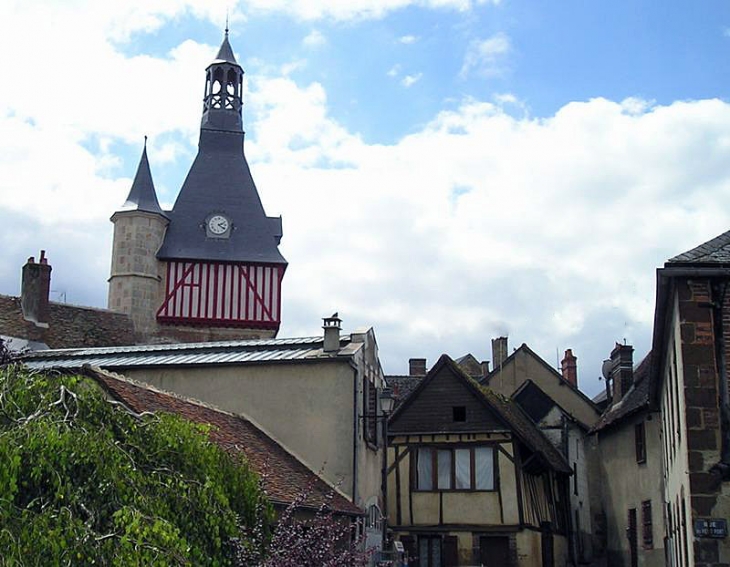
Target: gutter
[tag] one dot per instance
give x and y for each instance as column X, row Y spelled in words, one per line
column 355, row 432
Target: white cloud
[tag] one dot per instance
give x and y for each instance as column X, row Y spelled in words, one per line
column 315, row 38
column 394, row 71
column 410, row 80
column 485, row 56
column 354, row 9
column 408, row 39
column 477, row 223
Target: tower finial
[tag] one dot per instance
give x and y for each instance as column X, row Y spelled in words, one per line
column 226, row 23
column 145, row 141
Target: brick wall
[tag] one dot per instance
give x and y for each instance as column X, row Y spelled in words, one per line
column 702, row 412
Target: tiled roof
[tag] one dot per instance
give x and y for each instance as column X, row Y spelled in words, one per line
column 636, row 399
column 193, row 354
column 715, row 251
column 69, row 325
column 285, row 476
column 402, row 385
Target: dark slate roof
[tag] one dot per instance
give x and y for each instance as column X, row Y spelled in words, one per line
column 402, row 386
column 142, row 195
column 241, row 352
column 220, row 181
column 715, row 251
column 69, row 325
column 511, row 414
column 225, row 53
column 285, row 477
column 635, row 400
column 537, row 404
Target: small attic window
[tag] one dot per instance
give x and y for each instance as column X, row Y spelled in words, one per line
column 459, row 413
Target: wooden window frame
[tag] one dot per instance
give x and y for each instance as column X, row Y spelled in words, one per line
column 434, row 449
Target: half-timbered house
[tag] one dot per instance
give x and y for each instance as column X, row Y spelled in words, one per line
column 471, row 480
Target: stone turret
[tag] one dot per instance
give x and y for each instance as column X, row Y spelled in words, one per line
column 135, row 283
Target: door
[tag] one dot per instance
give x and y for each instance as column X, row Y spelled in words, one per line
column 429, row 551
column 631, row 533
column 548, row 557
column 494, row 551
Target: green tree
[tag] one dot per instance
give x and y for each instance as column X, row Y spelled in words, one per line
column 86, row 482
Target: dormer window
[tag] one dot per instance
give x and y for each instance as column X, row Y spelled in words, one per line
column 459, row 413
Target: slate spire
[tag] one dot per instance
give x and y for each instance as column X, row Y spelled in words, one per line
column 142, row 195
column 225, row 53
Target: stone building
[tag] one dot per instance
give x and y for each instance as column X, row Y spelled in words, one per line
column 628, row 484
column 210, row 268
column 689, row 373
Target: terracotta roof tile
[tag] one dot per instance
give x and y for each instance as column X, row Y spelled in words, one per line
column 69, row 325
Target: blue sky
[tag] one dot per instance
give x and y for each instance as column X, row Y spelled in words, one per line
column 447, row 170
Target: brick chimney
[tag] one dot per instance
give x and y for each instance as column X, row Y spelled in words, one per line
column 569, row 368
column 34, row 289
column 332, row 329
column 416, row 367
column 622, row 370
column 499, row 351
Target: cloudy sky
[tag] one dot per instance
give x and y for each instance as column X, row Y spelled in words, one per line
column 448, row 171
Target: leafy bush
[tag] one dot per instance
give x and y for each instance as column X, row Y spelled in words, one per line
column 85, row 482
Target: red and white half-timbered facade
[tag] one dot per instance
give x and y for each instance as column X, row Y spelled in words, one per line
column 226, row 294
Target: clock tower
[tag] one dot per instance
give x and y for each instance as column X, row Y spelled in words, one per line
column 217, row 267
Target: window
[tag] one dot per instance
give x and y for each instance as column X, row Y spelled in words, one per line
column 459, row 413
column 461, row 468
column 647, row 531
column 640, row 440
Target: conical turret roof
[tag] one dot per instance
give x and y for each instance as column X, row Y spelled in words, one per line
column 142, row 195
column 225, row 53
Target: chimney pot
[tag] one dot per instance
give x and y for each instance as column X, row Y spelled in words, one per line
column 416, row 366
column 569, row 368
column 332, row 329
column 35, row 287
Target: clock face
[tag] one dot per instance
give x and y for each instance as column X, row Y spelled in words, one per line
column 218, row 224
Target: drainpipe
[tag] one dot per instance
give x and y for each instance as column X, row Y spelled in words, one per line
column 722, row 468
column 355, row 431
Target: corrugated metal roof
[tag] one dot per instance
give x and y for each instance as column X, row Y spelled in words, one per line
column 184, row 354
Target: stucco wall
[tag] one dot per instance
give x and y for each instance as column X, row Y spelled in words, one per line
column 308, row 408
column 626, row 484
